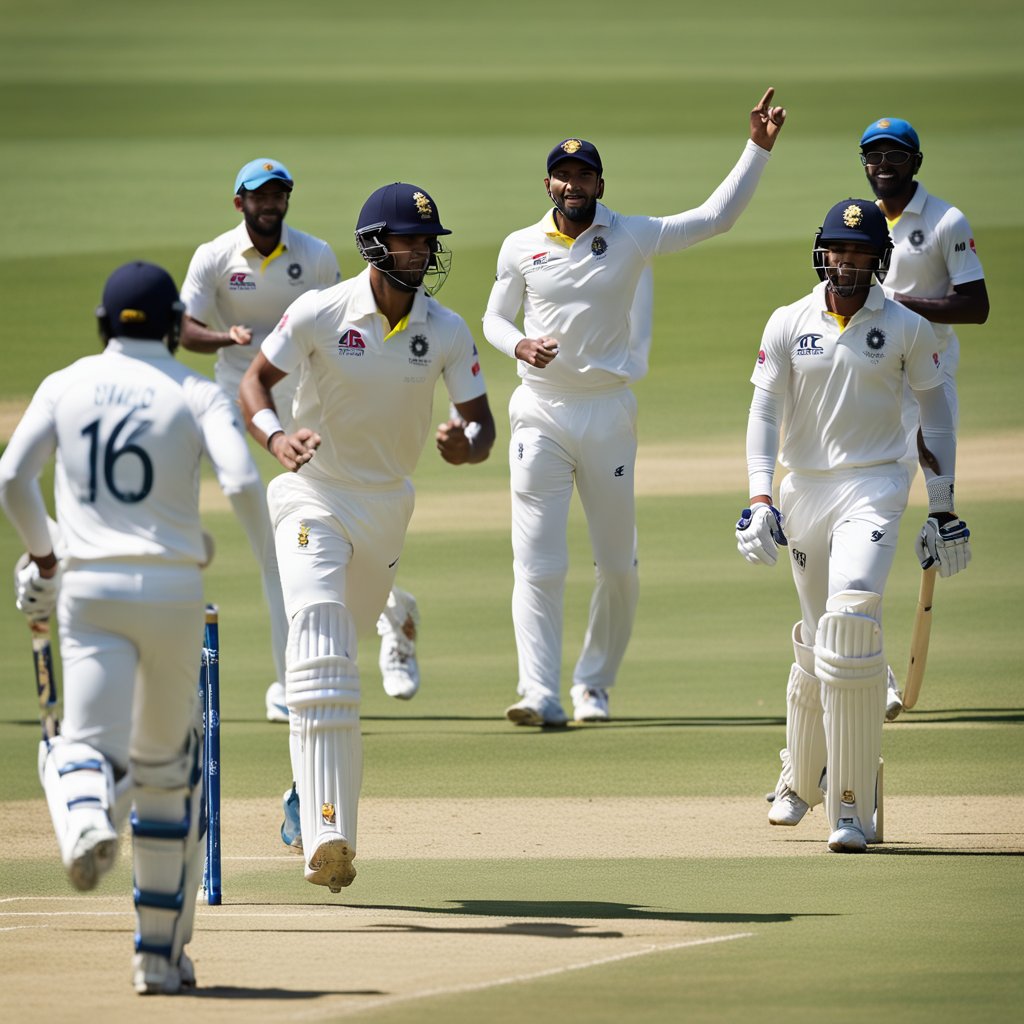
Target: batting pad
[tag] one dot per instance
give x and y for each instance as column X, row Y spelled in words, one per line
column 79, row 785
column 803, row 760
column 324, row 695
column 851, row 666
column 167, row 853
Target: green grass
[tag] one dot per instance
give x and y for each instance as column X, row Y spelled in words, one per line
column 122, row 127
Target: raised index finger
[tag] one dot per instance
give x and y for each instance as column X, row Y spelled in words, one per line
column 766, row 98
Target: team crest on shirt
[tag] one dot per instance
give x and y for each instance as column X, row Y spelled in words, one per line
column 240, row 282
column 875, row 339
column 916, row 238
column 303, row 535
column 351, row 343
column 598, row 247
column 418, row 348
column 295, row 271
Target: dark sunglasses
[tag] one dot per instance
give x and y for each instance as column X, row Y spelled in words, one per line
column 895, row 157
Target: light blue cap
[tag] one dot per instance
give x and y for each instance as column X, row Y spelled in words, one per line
column 259, row 172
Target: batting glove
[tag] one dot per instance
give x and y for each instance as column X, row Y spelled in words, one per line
column 34, row 595
column 759, row 534
column 947, row 545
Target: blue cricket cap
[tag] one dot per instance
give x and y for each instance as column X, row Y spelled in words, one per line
column 139, row 301
column 895, row 129
column 575, row 149
column 400, row 209
column 259, row 172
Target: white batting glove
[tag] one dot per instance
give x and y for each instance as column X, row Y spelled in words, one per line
column 35, row 596
column 759, row 534
column 947, row 544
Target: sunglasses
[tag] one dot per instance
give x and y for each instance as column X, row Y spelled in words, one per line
column 894, row 157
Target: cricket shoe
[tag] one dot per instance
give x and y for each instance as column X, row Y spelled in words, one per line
column 277, row 703
column 93, row 856
column 399, row 669
column 893, row 697
column 291, row 827
column 787, row 808
column 589, row 704
column 538, row 709
column 848, row 836
column 155, row 975
column 331, row 863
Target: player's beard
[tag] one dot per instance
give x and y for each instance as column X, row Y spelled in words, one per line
column 577, row 213
column 260, row 226
column 854, row 280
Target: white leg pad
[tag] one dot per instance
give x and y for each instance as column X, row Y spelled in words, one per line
column 850, row 663
column 803, row 760
column 324, row 695
column 79, row 785
column 167, row 853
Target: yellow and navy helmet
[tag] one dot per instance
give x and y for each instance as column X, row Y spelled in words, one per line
column 854, row 220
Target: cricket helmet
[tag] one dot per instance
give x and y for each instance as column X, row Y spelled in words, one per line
column 402, row 209
column 857, row 221
column 140, row 300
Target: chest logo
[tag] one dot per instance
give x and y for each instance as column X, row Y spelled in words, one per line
column 295, row 271
column 598, row 247
column 418, row 346
column 916, row 238
column 240, row 283
column 807, row 345
column 351, row 343
column 875, row 339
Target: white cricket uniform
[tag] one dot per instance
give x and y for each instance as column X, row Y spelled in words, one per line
column 129, row 427
column 341, row 520
column 230, row 282
column 842, row 393
column 933, row 251
column 575, row 420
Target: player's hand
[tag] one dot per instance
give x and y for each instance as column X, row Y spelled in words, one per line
column 454, row 442
column 947, row 544
column 240, row 334
column 766, row 121
column 34, row 594
column 759, row 534
column 537, row 351
column 293, row 451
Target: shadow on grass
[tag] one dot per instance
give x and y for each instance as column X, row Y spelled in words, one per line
column 280, row 994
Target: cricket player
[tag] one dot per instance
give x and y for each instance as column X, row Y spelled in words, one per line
column 129, row 427
column 935, row 270
column 575, row 275
column 829, row 377
column 236, row 289
column 368, row 353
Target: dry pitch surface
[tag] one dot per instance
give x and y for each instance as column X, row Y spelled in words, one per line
column 342, row 959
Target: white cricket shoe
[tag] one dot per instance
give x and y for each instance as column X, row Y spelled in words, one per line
column 537, row 709
column 93, row 856
column 787, row 808
column 399, row 669
column 155, row 975
column 277, row 703
column 893, row 697
column 848, row 836
column 331, row 863
column 589, row 705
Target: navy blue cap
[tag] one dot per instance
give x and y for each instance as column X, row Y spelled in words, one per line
column 895, row 129
column 856, row 220
column 259, row 172
column 400, row 209
column 575, row 149
column 139, row 301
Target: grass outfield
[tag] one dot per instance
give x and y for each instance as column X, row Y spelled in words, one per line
column 593, row 874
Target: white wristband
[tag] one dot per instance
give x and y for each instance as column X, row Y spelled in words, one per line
column 267, row 421
column 940, row 494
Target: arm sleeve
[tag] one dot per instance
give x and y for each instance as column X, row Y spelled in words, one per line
column 198, row 294
column 463, row 376
column 34, row 441
column 721, row 209
column 283, row 346
column 763, row 430
column 937, row 427
column 503, row 306
column 958, row 250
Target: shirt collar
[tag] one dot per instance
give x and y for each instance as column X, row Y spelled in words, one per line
column 363, row 304
column 874, row 301
column 244, row 242
column 917, row 201
column 139, row 348
column 602, row 218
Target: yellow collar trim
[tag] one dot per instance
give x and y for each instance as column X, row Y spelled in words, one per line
column 839, row 319
column 399, row 327
column 557, row 235
column 267, row 260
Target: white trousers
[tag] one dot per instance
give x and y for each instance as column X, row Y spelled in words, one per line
column 842, row 529
column 559, row 441
column 130, row 640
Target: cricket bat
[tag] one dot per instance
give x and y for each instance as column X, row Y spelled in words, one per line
column 46, row 681
column 919, row 638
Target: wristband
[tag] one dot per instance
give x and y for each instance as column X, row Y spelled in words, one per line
column 267, row 421
column 940, row 494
